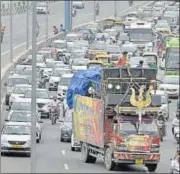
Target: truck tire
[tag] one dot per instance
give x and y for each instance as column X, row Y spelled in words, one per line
column 72, row 149
column 108, row 160
column 151, row 167
column 85, row 154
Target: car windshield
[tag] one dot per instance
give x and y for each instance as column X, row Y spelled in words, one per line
column 84, row 31
column 171, row 80
column 60, row 72
column 41, row 5
column 77, row 62
column 135, row 61
column 98, row 46
column 39, row 94
column 113, row 49
column 78, row 54
column 71, row 38
column 21, row 89
column 26, row 72
column 17, row 81
column 65, row 81
column 128, row 48
column 24, row 106
column 20, row 117
column 17, row 130
column 132, row 128
column 150, row 58
column 60, row 45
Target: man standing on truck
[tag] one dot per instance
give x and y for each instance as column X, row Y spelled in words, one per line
column 2, row 32
column 122, row 60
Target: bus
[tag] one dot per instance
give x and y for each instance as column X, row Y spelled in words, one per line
column 141, row 33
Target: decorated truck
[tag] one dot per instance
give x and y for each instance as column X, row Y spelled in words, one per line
column 113, row 119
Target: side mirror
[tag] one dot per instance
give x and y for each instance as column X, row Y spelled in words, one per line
column 169, row 101
column 40, row 121
column 6, row 120
column 5, row 84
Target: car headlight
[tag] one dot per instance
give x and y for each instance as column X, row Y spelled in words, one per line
column 28, row 142
column 110, row 86
column 118, row 87
column 3, row 141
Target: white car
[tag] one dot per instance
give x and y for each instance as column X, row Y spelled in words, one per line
column 16, row 138
column 55, row 78
column 79, row 64
column 164, row 102
column 78, row 4
column 19, row 91
column 60, row 45
column 170, row 85
column 43, row 100
column 63, row 85
column 42, row 8
column 25, row 116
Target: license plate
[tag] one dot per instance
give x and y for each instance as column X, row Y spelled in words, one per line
column 16, row 146
column 139, row 161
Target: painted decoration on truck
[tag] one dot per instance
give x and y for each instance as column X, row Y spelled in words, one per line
column 138, row 142
column 88, row 120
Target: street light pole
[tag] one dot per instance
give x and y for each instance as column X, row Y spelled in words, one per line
column 33, row 95
column 46, row 22
column 115, row 9
column 0, row 90
column 71, row 18
column 11, row 31
column 27, row 26
column 94, row 10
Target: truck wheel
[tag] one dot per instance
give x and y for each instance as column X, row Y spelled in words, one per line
column 151, row 167
column 72, row 149
column 85, row 154
column 108, row 161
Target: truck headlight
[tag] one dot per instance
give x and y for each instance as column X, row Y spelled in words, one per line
column 118, row 87
column 110, row 86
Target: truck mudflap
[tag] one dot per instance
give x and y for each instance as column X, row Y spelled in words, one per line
column 137, row 159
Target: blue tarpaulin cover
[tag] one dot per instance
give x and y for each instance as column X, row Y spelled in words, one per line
column 81, row 82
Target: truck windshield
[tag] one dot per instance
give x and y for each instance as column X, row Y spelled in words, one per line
column 134, row 128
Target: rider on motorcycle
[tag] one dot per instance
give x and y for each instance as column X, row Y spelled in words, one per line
column 55, row 105
column 175, row 122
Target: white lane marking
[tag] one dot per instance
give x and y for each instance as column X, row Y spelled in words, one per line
column 63, row 152
column 66, row 167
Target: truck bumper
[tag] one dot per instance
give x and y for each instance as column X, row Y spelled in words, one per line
column 137, row 159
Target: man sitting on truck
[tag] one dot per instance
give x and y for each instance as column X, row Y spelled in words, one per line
column 122, row 60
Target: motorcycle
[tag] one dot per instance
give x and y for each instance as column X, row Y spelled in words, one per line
column 53, row 115
column 162, row 127
column 174, row 165
column 176, row 133
column 74, row 12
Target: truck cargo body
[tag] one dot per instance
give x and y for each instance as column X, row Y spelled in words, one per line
column 120, row 139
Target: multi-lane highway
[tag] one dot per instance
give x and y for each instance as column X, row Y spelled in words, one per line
column 52, row 155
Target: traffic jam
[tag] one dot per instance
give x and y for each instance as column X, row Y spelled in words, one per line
column 109, row 85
